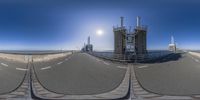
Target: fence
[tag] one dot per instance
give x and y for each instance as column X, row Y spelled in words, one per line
column 151, row 55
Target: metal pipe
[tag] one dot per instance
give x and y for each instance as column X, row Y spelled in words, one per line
column 172, row 40
column 138, row 21
column 122, row 21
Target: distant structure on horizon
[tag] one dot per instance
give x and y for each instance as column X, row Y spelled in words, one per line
column 87, row 47
column 130, row 42
column 172, row 45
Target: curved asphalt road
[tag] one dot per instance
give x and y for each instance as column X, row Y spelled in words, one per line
column 79, row 74
column 11, row 75
column 177, row 74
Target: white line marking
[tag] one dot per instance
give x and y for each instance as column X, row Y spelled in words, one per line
column 4, row 64
column 106, row 63
column 59, row 63
column 121, row 67
column 45, row 67
column 22, row 69
column 143, row 66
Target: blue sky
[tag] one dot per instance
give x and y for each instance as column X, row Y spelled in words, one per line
column 65, row 24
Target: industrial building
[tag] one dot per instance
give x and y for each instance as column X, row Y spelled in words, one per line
column 172, row 45
column 120, row 38
column 87, row 47
column 140, row 38
column 131, row 43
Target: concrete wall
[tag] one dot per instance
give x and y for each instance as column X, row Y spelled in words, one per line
column 36, row 58
column 14, row 57
column 195, row 54
column 119, row 41
column 39, row 58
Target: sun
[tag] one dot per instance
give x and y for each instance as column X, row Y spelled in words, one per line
column 99, row 32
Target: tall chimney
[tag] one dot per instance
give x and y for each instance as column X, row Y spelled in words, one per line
column 138, row 21
column 122, row 21
column 88, row 40
column 172, row 40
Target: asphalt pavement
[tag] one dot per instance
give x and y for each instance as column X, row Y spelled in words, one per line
column 11, row 75
column 83, row 74
column 176, row 74
column 80, row 74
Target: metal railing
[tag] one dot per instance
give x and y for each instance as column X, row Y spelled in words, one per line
column 116, row 28
column 144, row 27
column 110, row 56
column 151, row 55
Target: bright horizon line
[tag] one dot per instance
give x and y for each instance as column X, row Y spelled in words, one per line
column 72, row 49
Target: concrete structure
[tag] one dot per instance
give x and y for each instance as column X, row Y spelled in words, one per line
column 140, row 38
column 172, row 45
column 120, row 38
column 88, row 47
column 130, row 43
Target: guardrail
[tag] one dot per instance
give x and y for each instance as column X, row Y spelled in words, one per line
column 110, row 56
column 144, row 27
column 157, row 54
column 152, row 55
column 36, row 52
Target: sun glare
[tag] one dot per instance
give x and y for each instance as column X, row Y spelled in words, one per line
column 99, row 32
